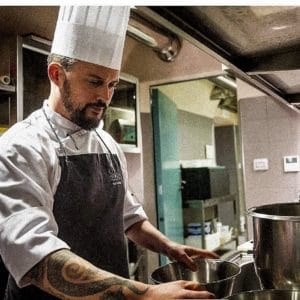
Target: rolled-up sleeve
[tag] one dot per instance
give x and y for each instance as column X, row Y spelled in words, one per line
column 133, row 211
column 28, row 231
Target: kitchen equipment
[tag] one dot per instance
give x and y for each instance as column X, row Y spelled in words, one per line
column 277, row 244
column 196, row 228
column 204, row 183
column 226, row 234
column 267, row 295
column 215, row 275
column 212, row 241
column 5, row 79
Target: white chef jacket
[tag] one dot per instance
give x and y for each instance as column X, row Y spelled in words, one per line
column 29, row 176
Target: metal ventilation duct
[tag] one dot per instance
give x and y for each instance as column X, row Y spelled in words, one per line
column 166, row 44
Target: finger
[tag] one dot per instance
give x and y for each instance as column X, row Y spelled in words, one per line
column 211, row 254
column 193, row 285
column 190, row 263
column 199, row 295
column 194, row 290
column 202, row 253
column 185, row 258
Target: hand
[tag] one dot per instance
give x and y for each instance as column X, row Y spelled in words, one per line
column 178, row 290
column 187, row 254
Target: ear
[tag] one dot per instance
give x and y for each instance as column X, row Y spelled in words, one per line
column 56, row 73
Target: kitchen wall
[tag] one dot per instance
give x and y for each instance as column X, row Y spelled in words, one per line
column 226, row 155
column 194, row 132
column 226, row 152
column 269, row 130
column 196, row 115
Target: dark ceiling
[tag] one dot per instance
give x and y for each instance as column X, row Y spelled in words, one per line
column 259, row 44
column 38, row 20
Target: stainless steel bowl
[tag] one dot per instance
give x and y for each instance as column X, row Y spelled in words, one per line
column 215, row 275
column 277, row 245
column 267, row 295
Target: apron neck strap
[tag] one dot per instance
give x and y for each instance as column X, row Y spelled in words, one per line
column 101, row 139
column 59, row 141
column 57, row 138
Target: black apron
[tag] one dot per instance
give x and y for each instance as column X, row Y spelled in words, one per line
column 88, row 209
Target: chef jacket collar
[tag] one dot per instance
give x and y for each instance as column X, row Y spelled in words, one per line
column 67, row 126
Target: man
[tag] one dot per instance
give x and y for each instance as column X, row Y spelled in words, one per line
column 64, row 201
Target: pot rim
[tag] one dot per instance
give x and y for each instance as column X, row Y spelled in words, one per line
column 253, row 212
column 238, row 270
column 266, row 291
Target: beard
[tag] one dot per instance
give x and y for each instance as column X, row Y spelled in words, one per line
column 79, row 115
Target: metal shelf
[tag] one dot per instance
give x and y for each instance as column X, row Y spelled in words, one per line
column 7, row 88
column 204, row 203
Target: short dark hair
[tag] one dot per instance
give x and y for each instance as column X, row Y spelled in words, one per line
column 66, row 62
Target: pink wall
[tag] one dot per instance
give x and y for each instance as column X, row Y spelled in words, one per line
column 142, row 62
column 270, row 130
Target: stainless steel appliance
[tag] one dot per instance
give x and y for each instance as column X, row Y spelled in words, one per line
column 277, row 245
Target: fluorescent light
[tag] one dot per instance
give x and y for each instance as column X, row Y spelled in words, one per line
column 227, row 82
column 141, row 36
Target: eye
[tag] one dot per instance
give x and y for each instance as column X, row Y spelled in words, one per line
column 95, row 82
column 113, row 85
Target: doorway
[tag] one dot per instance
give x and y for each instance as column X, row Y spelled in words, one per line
column 207, row 135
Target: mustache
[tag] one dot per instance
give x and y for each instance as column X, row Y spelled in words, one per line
column 98, row 104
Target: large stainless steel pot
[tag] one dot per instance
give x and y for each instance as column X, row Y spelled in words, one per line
column 277, row 245
column 267, row 295
column 215, row 275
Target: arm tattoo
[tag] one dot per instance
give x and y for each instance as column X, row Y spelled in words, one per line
column 65, row 274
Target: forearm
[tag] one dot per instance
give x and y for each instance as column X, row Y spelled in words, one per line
column 145, row 234
column 67, row 276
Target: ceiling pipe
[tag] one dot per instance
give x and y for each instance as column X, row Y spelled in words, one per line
column 166, row 51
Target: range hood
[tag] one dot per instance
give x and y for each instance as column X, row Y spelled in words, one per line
column 258, row 44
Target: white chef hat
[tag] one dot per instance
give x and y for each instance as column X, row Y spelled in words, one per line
column 94, row 34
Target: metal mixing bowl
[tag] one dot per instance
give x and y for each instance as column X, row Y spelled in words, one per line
column 267, row 295
column 215, row 275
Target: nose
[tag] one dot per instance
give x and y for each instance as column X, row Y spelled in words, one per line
column 105, row 93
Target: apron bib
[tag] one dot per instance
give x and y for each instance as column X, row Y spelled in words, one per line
column 88, row 209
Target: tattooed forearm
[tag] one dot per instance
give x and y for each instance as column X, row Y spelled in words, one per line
column 66, row 275
column 78, row 281
column 118, row 295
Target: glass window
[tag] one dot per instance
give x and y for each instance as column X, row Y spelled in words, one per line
column 122, row 116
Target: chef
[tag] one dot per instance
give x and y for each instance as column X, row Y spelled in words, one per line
column 64, row 199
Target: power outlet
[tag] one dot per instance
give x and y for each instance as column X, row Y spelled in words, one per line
column 260, row 164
